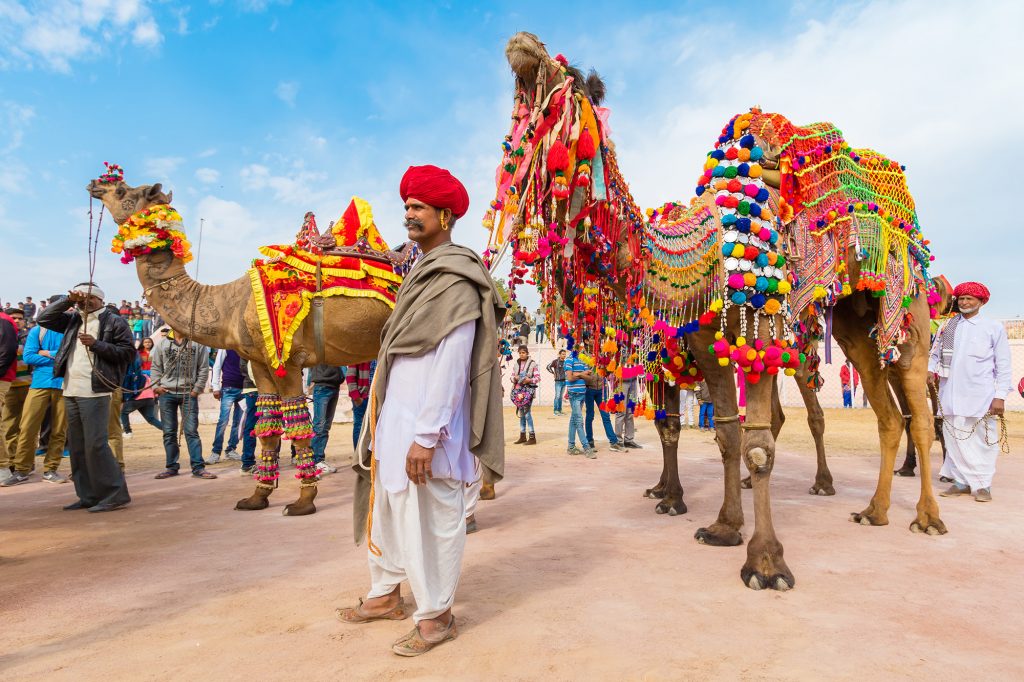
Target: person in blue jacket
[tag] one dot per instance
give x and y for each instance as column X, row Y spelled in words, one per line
column 45, row 396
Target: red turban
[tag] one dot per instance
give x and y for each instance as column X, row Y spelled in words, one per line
column 435, row 187
column 975, row 289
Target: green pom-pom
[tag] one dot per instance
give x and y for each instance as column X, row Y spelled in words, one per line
column 803, row 358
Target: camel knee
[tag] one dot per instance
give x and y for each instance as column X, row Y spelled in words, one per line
column 758, row 459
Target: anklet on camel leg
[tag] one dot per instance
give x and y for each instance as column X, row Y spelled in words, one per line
column 297, row 426
column 269, row 423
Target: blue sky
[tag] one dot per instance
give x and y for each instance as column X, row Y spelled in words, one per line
column 256, row 111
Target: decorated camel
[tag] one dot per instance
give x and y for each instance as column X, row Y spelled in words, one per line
column 793, row 237
column 322, row 300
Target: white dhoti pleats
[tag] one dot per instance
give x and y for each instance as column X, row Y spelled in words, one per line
column 971, row 461
column 421, row 532
column 473, row 490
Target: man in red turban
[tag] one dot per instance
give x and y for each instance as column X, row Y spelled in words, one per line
column 439, row 426
column 972, row 289
column 971, row 360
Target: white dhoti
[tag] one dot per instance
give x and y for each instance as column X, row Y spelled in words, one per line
column 972, row 461
column 422, row 533
column 472, row 490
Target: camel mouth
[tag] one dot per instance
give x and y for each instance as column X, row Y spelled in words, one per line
column 525, row 53
column 95, row 190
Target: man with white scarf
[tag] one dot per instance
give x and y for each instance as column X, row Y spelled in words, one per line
column 970, row 359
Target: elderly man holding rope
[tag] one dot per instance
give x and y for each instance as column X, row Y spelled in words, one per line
column 435, row 409
column 92, row 359
column 970, row 359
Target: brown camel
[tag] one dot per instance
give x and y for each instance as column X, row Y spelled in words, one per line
column 224, row 316
column 538, row 188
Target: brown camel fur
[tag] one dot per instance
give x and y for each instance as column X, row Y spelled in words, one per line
column 224, row 316
column 538, row 74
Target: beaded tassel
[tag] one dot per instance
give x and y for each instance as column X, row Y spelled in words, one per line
column 268, row 416
column 267, row 471
column 297, row 425
column 306, row 470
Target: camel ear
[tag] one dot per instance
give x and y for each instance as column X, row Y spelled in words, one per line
column 154, row 191
column 170, row 196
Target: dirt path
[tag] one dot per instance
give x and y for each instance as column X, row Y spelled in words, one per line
column 572, row 576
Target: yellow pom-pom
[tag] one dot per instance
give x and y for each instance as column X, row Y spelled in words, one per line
column 737, row 250
column 790, row 371
column 710, row 163
column 785, row 287
column 741, row 341
column 819, row 291
column 723, row 362
column 716, row 305
column 847, row 290
column 719, row 335
column 692, row 371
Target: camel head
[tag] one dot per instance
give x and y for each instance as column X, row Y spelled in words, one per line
column 556, row 140
column 122, row 200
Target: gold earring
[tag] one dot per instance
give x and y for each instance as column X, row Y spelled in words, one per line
column 444, row 223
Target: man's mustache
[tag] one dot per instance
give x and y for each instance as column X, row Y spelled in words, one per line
column 413, row 222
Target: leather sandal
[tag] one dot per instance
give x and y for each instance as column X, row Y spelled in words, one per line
column 415, row 644
column 166, row 474
column 355, row 616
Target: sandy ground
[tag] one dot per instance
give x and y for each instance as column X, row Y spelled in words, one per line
column 572, row 576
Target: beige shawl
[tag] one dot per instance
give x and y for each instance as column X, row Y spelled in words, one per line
column 447, row 287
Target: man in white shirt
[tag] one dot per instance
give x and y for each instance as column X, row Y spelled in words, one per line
column 438, row 387
column 970, row 359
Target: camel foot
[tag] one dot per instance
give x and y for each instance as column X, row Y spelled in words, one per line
column 746, row 484
column 673, row 506
column 870, row 517
column 304, row 505
column 906, row 472
column 487, row 491
column 655, row 493
column 824, row 489
column 767, row 572
column 258, row 500
column 718, row 535
column 928, row 522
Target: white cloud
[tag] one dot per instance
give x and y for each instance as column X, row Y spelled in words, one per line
column 207, row 153
column 207, row 175
column 160, row 168
column 147, row 34
column 14, row 119
column 54, row 34
column 286, row 91
column 318, row 141
column 298, row 187
column 260, row 5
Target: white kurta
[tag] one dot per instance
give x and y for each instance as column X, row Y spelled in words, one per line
column 421, row 530
column 78, row 376
column 428, row 402
column 978, row 373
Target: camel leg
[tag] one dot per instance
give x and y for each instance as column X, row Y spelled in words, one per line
column 921, row 427
column 765, row 566
column 299, row 429
column 910, row 460
column 268, row 429
column 725, row 531
column 778, row 420
column 816, row 422
column 658, row 491
column 668, row 430
column 861, row 350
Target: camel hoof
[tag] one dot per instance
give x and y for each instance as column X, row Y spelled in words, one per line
column 487, row 491
column 865, row 519
column 745, row 483
column 723, row 536
column 906, row 473
column 253, row 503
column 935, row 527
column 299, row 509
column 654, row 493
column 671, row 507
column 780, row 582
column 823, row 490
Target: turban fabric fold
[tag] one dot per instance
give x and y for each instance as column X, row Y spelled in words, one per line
column 94, row 290
column 435, row 187
column 975, row 289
